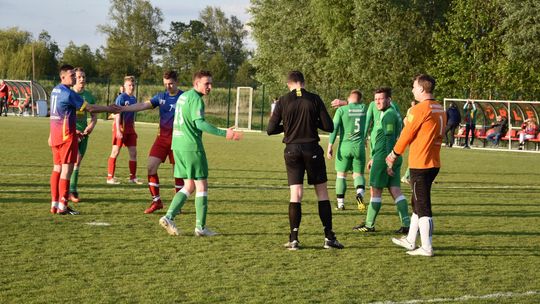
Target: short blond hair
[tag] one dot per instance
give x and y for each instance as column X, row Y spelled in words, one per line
column 129, row 78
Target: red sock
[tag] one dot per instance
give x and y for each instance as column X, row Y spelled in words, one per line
column 153, row 185
column 55, row 177
column 112, row 167
column 132, row 169
column 63, row 188
column 178, row 184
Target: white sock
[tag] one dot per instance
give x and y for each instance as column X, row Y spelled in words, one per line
column 426, row 230
column 360, row 191
column 413, row 229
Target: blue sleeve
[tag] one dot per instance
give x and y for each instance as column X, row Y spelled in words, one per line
column 119, row 100
column 76, row 100
column 155, row 100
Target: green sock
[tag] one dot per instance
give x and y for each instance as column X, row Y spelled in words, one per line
column 201, row 208
column 359, row 181
column 73, row 181
column 341, row 185
column 403, row 212
column 176, row 205
column 408, row 173
column 373, row 210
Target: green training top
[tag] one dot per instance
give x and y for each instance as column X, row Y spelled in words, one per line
column 82, row 116
column 186, row 135
column 349, row 122
column 385, row 134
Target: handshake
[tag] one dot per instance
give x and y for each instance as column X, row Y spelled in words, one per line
column 234, row 135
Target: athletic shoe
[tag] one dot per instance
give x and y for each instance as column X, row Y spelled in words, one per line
column 421, row 252
column 340, row 208
column 135, row 181
column 329, row 244
column 360, row 201
column 153, row 207
column 294, row 245
column 466, row 147
column 405, row 180
column 403, row 242
column 363, row 228
column 74, row 197
column 68, row 211
column 204, row 232
column 402, row 230
column 113, row 181
column 169, row 225
column 54, row 209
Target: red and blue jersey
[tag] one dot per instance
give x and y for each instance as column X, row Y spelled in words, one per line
column 167, row 106
column 127, row 119
column 64, row 105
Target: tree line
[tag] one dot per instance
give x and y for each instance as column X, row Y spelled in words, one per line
column 475, row 49
column 137, row 45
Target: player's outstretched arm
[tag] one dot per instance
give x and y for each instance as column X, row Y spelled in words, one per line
column 140, row 106
column 336, row 103
column 202, row 125
column 93, row 108
column 234, row 135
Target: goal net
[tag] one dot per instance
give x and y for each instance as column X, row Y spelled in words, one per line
column 244, row 108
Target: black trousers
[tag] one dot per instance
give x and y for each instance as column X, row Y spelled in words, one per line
column 450, row 128
column 471, row 128
column 421, row 181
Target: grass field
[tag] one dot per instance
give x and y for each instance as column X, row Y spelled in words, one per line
column 486, row 214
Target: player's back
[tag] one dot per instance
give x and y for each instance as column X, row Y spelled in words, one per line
column 353, row 122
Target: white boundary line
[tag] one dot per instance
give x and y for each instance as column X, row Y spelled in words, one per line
column 497, row 295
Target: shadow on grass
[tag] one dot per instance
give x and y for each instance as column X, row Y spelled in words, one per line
column 486, row 251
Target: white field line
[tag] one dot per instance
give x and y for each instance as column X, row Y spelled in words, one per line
column 497, row 295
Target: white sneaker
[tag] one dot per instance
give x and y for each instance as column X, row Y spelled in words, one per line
column 135, row 181
column 294, row 245
column 421, row 251
column 112, row 181
column 204, row 232
column 403, row 242
column 169, row 225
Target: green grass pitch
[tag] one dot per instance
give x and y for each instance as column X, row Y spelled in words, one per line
column 486, row 215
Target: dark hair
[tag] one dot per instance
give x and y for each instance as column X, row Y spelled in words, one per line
column 79, row 69
column 357, row 92
column 386, row 90
column 170, row 75
column 295, row 76
column 200, row 74
column 65, row 68
column 426, row 82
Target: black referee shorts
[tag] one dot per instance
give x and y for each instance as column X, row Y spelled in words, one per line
column 421, row 181
column 300, row 158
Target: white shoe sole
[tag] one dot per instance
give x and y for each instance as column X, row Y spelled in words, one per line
column 420, row 252
column 403, row 243
column 170, row 229
column 203, row 234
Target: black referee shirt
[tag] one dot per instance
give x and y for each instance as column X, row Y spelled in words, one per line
column 302, row 113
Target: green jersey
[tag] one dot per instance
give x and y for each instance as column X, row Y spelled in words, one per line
column 373, row 114
column 385, row 134
column 186, row 135
column 82, row 116
column 349, row 122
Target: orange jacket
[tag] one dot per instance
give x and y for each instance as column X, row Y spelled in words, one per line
column 423, row 132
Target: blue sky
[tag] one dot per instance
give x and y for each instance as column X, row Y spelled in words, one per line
column 76, row 20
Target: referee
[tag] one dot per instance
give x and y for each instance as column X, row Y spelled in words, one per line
column 299, row 114
column 423, row 132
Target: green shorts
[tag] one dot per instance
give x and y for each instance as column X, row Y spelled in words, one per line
column 83, row 144
column 190, row 165
column 379, row 178
column 351, row 157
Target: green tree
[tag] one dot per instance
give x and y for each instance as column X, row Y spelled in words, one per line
column 81, row 56
column 132, row 37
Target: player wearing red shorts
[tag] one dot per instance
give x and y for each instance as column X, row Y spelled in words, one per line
column 124, row 134
column 166, row 101
column 63, row 139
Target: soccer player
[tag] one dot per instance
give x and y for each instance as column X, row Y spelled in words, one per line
column 349, row 123
column 161, row 149
column 302, row 113
column 83, row 129
column 383, row 137
column 63, row 137
column 373, row 114
column 423, row 133
column 190, row 157
column 124, row 134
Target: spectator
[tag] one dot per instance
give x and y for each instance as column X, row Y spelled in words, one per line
column 499, row 128
column 23, row 104
column 453, row 119
column 529, row 128
column 4, row 94
column 470, row 122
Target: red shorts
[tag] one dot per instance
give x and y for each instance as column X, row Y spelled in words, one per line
column 162, row 148
column 66, row 153
column 127, row 140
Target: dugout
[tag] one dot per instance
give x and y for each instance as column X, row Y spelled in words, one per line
column 21, row 89
column 516, row 111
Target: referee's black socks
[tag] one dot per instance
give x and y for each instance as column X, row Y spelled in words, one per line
column 295, row 216
column 325, row 214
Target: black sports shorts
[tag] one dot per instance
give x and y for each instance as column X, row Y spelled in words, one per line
column 300, row 158
column 421, row 181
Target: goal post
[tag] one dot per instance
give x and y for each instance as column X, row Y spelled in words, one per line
column 244, row 108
